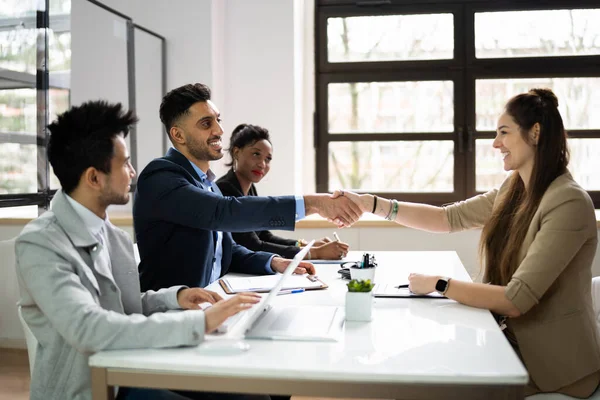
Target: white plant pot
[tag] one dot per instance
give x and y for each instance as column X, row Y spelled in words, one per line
column 362, row 274
column 359, row 306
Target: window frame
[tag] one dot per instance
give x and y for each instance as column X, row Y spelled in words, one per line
column 464, row 69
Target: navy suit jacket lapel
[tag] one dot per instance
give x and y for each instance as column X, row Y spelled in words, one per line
column 179, row 159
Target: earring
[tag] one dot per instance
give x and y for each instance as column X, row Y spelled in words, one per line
column 234, row 164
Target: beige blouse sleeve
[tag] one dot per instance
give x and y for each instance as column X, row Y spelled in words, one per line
column 471, row 213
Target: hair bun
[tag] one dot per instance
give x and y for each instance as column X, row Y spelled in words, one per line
column 237, row 129
column 546, row 95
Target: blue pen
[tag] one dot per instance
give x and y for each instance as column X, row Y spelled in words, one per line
column 282, row 292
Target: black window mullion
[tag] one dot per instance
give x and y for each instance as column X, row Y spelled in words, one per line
column 469, row 103
column 42, row 100
column 389, row 137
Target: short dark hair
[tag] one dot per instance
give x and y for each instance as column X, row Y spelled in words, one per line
column 178, row 101
column 245, row 134
column 82, row 137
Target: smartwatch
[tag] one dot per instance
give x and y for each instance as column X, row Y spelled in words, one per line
column 442, row 285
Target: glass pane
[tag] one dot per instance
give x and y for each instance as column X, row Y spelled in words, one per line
column 384, row 107
column 18, row 111
column 18, row 49
column 577, row 97
column 19, row 212
column 18, row 168
column 390, row 38
column 584, row 164
column 59, row 51
column 410, row 166
column 488, row 165
column 543, row 33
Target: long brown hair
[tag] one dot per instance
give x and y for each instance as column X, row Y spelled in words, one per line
column 503, row 235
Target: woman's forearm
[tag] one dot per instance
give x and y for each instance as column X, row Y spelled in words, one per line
column 480, row 295
column 414, row 215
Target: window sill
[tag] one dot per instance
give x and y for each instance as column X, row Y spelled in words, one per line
column 311, row 222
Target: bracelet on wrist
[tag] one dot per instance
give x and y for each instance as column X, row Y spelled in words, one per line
column 374, row 204
column 389, row 214
column 394, row 210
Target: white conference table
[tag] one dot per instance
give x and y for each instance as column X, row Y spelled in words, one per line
column 412, row 349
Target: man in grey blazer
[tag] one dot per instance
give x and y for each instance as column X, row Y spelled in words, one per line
column 79, row 284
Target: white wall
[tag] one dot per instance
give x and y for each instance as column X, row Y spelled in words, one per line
column 264, row 84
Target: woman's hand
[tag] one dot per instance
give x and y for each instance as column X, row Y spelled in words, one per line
column 279, row 264
column 321, row 242
column 422, row 284
column 330, row 251
column 215, row 315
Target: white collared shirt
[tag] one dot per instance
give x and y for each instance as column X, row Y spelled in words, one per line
column 94, row 225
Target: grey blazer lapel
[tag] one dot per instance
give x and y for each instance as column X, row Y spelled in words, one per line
column 80, row 236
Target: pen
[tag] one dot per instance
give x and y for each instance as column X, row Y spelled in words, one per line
column 401, row 286
column 335, row 235
column 282, row 292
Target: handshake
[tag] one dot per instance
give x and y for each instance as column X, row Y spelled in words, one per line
column 342, row 207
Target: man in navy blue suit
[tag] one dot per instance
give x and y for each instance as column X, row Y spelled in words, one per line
column 183, row 223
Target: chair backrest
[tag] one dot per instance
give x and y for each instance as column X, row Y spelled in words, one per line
column 9, row 295
column 596, row 301
column 136, row 253
column 30, row 340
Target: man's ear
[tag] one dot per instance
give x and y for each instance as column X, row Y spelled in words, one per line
column 91, row 178
column 177, row 135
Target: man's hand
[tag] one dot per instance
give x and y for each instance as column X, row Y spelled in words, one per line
column 341, row 211
column 422, row 284
column 189, row 299
column 223, row 309
column 363, row 201
column 279, row 264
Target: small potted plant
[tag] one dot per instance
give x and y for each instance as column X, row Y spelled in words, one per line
column 359, row 300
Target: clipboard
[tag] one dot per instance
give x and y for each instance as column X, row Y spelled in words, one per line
column 264, row 284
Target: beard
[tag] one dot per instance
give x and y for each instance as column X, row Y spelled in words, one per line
column 110, row 197
column 201, row 150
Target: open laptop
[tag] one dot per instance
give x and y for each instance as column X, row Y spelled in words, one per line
column 265, row 321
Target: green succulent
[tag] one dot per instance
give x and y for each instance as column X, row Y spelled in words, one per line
column 360, row 285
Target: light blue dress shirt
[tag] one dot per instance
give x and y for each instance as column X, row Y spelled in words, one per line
column 208, row 179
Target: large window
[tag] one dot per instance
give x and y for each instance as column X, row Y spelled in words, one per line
column 409, row 92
